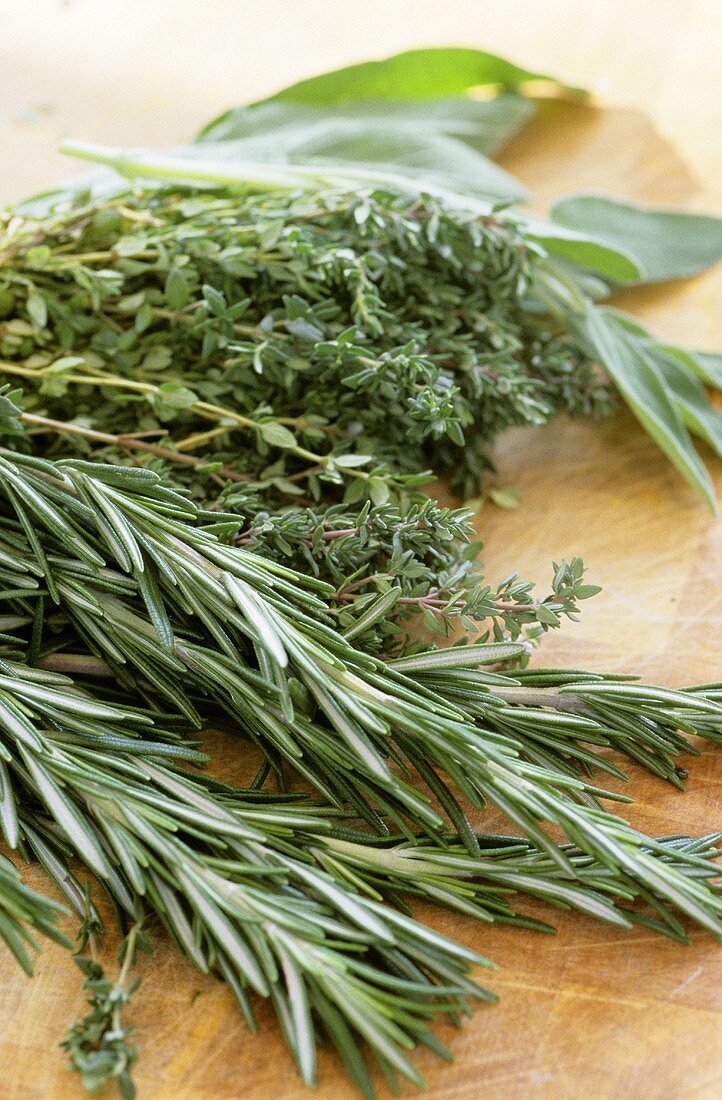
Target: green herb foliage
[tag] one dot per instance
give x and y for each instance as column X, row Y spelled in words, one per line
column 215, row 632
column 98, row 1045
column 575, row 268
column 230, row 389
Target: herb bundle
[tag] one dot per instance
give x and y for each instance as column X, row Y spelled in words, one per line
column 231, row 384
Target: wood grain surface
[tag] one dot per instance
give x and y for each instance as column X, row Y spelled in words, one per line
column 593, row 1011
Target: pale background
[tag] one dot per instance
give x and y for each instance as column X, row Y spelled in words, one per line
column 594, row 1011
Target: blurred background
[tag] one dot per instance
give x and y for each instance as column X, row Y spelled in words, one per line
column 151, row 71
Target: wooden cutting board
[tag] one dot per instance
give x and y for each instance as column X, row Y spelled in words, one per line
column 593, row 1011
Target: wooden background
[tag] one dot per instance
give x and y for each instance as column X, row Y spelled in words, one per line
column 593, row 1011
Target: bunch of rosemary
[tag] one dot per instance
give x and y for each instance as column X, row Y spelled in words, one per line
column 231, row 396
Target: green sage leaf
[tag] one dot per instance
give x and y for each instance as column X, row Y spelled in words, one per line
column 648, row 396
column 666, row 244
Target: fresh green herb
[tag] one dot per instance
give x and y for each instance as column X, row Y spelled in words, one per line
column 20, row 907
column 220, row 634
column 231, row 386
column 98, row 1045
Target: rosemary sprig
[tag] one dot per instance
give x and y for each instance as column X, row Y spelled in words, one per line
column 363, row 712
column 141, row 577
column 272, row 898
column 225, row 879
column 21, row 908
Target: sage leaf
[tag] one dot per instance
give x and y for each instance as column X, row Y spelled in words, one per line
column 413, row 112
column 607, row 259
column 484, row 124
column 647, row 395
column 666, row 244
column 417, row 74
column 706, row 364
column 420, row 153
column 681, row 370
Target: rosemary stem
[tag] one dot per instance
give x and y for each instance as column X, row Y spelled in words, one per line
column 126, row 443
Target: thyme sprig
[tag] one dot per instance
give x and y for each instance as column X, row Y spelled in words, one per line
column 99, row 1046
